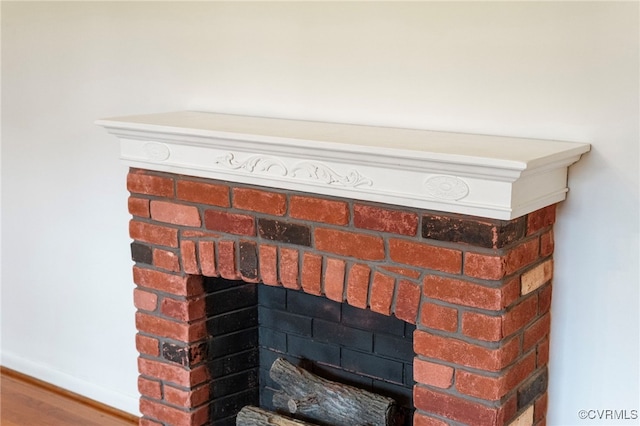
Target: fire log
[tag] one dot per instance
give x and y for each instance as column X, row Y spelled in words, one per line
column 254, row 416
column 318, row 399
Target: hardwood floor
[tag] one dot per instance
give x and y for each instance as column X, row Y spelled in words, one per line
column 25, row 401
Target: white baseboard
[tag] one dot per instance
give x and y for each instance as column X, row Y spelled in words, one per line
column 126, row 403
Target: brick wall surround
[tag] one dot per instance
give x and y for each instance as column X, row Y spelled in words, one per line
column 478, row 290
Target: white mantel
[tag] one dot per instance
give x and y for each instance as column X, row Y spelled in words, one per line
column 489, row 176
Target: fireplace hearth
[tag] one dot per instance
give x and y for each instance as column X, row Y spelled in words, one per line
column 451, row 235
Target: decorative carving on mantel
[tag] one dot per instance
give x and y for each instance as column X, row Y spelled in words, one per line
column 157, row 151
column 446, row 187
column 325, row 174
column 254, row 164
column 304, row 170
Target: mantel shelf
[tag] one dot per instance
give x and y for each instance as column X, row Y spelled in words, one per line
column 487, row 176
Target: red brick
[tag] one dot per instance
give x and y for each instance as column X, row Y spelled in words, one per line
column 547, row 243
column 145, row 300
column 187, row 398
column 227, row 260
column 410, row 273
column 360, row 246
column 141, row 183
column 154, row 234
column 464, row 353
column 196, row 233
column 167, row 328
column 541, row 219
column 289, row 268
column 522, row 255
column 481, row 326
column 183, row 310
column 312, row 273
column 319, row 210
column 420, row 419
column 407, row 301
column 382, row 289
column 463, row 293
column 484, row 266
column 230, row 223
column 174, row 416
column 455, row 408
column 150, row 388
column 384, row 220
column 189, row 257
column 260, row 201
column 544, row 299
column 177, row 214
column 439, row 317
column 165, row 259
column 520, row 315
column 204, row 193
column 425, row 256
column 510, row 291
column 147, row 345
column 174, row 284
column 207, row 258
column 536, row 332
column 543, row 353
column 509, row 409
column 432, row 374
column 334, row 280
column 268, row 263
column 139, row 207
column 358, row 286
column 173, row 373
column 491, row 387
column 540, row 407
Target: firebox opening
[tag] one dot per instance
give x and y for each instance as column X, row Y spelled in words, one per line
column 252, row 325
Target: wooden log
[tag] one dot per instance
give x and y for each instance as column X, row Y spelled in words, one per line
column 316, row 399
column 254, row 416
column 307, row 406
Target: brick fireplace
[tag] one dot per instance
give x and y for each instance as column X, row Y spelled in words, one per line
column 470, row 277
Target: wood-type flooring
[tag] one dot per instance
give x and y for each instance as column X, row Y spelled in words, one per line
column 25, row 401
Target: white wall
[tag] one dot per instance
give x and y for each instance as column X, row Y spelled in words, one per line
column 544, row 70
